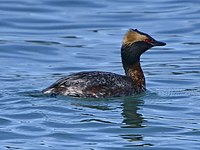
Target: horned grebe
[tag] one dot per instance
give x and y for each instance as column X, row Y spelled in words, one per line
column 106, row 84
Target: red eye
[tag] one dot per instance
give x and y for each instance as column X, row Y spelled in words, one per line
column 148, row 41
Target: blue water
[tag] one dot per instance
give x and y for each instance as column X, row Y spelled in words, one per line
column 43, row 40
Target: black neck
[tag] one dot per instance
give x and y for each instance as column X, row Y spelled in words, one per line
column 131, row 64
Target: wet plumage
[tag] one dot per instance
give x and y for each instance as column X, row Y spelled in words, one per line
column 93, row 84
column 107, row 84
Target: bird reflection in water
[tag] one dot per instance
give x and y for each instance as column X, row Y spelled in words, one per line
column 132, row 119
column 129, row 121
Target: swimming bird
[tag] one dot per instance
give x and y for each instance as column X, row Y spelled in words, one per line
column 97, row 84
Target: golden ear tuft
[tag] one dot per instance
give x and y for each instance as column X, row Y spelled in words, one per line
column 132, row 36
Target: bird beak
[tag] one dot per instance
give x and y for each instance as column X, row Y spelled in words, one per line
column 158, row 43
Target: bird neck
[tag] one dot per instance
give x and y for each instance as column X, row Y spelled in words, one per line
column 135, row 72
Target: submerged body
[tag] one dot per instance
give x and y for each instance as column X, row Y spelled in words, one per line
column 106, row 84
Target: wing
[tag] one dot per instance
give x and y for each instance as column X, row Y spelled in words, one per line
column 92, row 84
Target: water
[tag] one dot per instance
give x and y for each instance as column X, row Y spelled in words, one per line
column 41, row 41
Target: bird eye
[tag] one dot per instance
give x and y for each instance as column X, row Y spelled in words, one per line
column 147, row 41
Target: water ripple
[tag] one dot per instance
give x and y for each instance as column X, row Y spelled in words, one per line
column 42, row 41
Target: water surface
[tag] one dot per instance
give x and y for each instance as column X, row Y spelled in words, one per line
column 41, row 41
